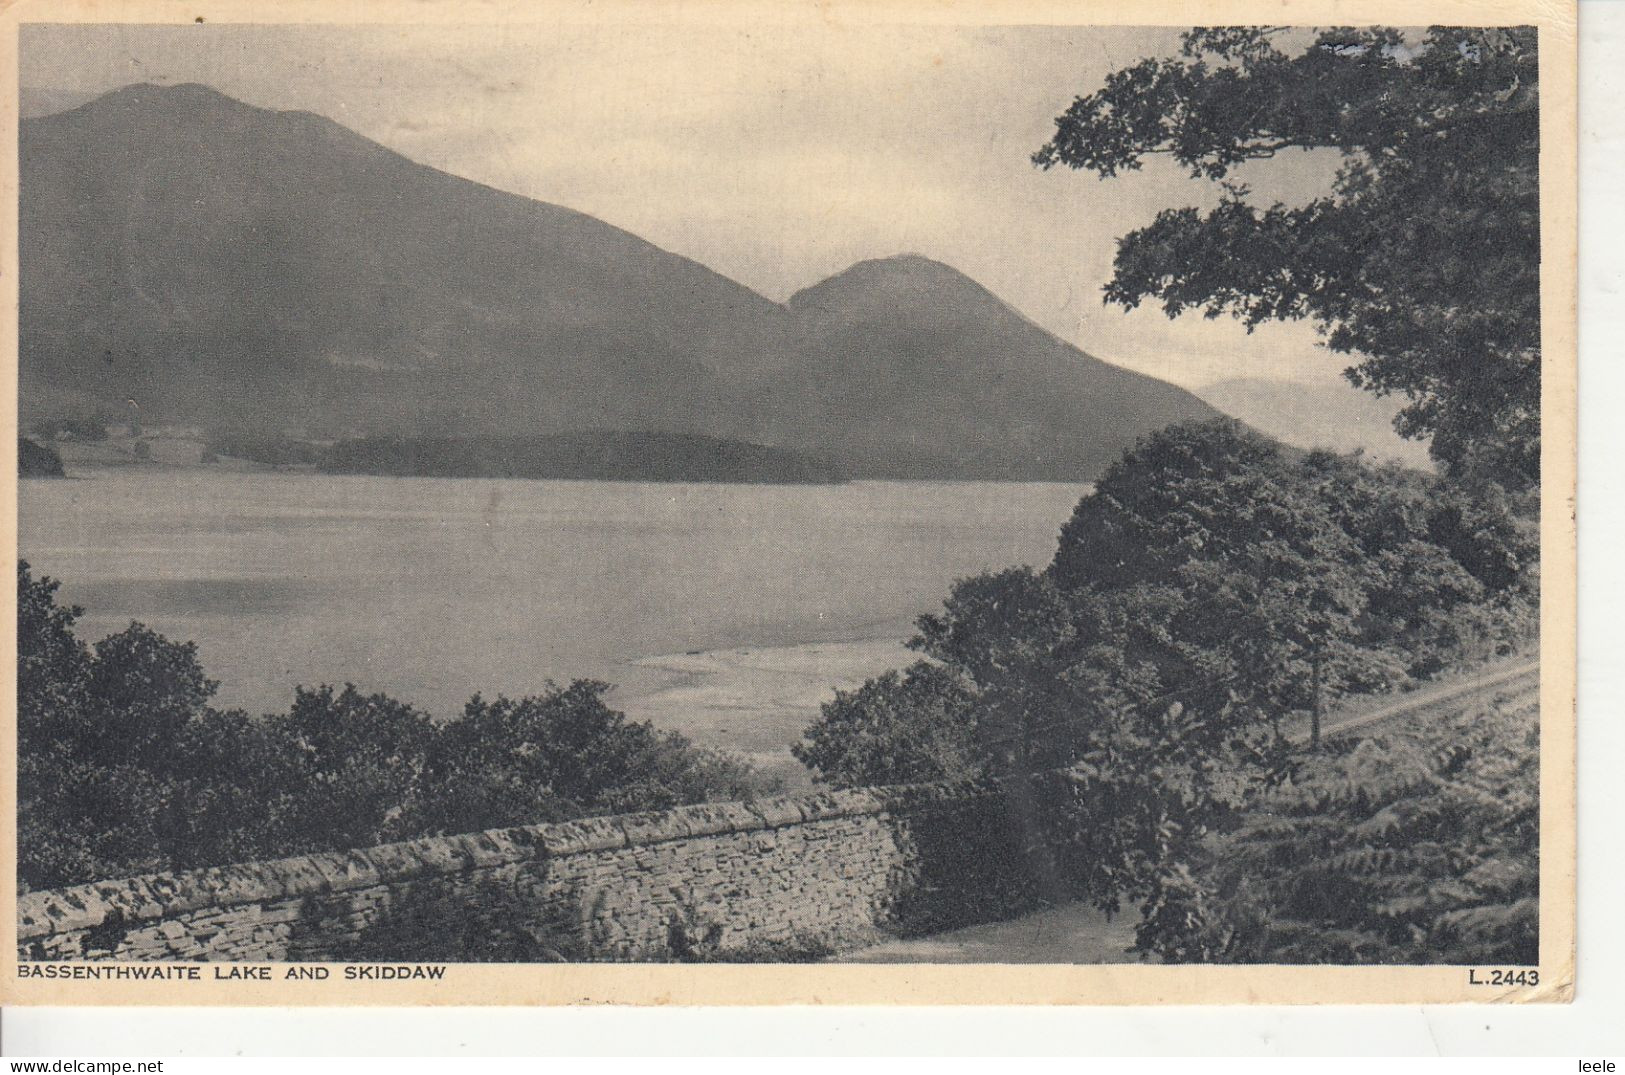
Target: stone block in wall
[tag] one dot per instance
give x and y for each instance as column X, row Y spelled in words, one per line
column 443, row 855
column 345, row 871
column 838, row 864
column 395, row 862
column 777, row 812
column 836, row 804
column 69, row 945
column 85, row 906
column 710, row 819
column 210, row 890
column 654, row 827
column 285, row 877
column 498, row 848
column 479, row 850
column 283, row 911
column 583, row 836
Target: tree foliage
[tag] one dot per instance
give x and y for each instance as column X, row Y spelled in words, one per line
column 1419, row 845
column 125, row 766
column 1424, row 258
column 1209, row 568
column 1211, row 557
column 563, row 754
column 1195, row 602
column 911, row 727
column 360, row 762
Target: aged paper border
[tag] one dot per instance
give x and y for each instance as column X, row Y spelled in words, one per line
column 775, row 984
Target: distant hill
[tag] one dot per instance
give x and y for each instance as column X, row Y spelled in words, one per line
column 228, row 266
column 918, row 363
column 1337, row 416
column 672, row 457
column 213, row 260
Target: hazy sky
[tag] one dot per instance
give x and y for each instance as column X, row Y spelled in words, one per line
column 774, row 157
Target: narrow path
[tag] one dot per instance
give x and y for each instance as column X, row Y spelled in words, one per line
column 1515, row 675
column 1075, row 933
column 1078, row 934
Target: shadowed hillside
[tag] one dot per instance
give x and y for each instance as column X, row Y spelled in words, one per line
column 231, row 266
column 589, row 456
column 920, row 363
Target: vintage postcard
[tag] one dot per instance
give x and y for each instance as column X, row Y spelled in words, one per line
column 715, row 501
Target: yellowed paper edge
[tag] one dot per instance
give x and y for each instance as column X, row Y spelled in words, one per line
column 772, row 984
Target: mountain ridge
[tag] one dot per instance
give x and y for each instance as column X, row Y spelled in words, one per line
column 217, row 262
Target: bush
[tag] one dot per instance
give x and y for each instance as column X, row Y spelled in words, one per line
column 913, row 727
column 1212, row 585
column 125, row 767
column 96, row 735
column 1418, row 846
column 558, row 755
column 1209, row 568
column 359, row 763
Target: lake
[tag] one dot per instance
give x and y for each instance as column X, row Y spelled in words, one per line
column 728, row 612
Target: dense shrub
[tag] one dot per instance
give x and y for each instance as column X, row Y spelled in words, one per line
column 1210, row 568
column 916, row 726
column 1213, row 585
column 1378, row 573
column 1420, row 845
column 125, row 767
column 559, row 755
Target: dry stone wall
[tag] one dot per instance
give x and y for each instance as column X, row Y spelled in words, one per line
column 773, row 878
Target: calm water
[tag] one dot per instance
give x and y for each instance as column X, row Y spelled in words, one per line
column 431, row 589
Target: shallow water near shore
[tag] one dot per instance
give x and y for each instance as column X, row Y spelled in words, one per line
column 728, row 612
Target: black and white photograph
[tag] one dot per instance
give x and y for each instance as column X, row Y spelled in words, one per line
column 965, row 498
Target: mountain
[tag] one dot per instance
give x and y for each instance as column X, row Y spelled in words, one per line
column 213, row 260
column 209, row 262
column 919, row 364
column 1335, row 415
